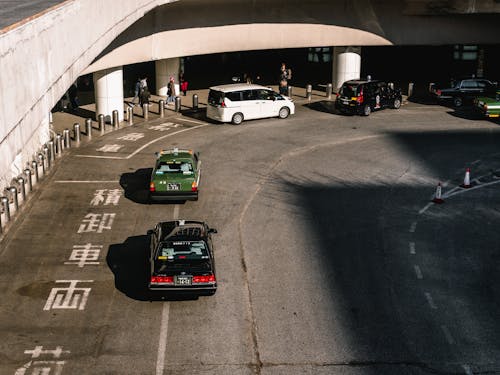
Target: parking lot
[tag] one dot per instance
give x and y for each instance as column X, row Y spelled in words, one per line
column 331, row 257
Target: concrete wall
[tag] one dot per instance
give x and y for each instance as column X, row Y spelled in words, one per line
column 41, row 57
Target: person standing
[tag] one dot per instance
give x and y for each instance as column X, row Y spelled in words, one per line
column 171, row 91
column 184, row 83
column 144, row 96
column 283, row 82
column 137, row 91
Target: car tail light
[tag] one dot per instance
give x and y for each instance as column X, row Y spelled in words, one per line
column 360, row 97
column 162, row 279
column 194, row 186
column 438, row 92
column 222, row 104
column 337, row 95
column 152, row 186
column 206, row 279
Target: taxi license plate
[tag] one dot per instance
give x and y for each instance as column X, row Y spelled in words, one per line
column 173, row 186
column 183, row 280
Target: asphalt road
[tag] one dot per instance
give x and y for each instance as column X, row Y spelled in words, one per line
column 330, row 257
column 12, row 11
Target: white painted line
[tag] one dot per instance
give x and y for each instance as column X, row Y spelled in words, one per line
column 413, row 227
column 418, row 271
column 143, row 146
column 412, row 248
column 425, row 208
column 87, row 182
column 194, row 122
column 467, row 369
column 448, row 335
column 455, row 192
column 430, row 301
column 162, row 345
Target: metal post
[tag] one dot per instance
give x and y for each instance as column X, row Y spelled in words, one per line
column 0, row 222
column 41, row 159
column 76, row 132
column 130, row 111
column 59, row 144
column 34, row 165
column 88, row 128
column 410, row 89
column 195, row 102
column 161, row 106
column 6, row 208
column 52, row 150
column 145, row 111
column 329, row 89
column 309, row 92
column 289, row 91
column 46, row 155
column 100, row 120
column 22, row 187
column 67, row 139
column 15, row 199
column 116, row 122
column 27, row 174
column 177, row 103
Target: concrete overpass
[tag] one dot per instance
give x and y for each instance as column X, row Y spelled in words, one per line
column 41, row 56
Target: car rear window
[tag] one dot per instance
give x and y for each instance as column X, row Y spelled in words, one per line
column 215, row 97
column 349, row 90
column 182, row 250
column 184, row 167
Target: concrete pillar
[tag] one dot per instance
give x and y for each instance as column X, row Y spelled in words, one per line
column 108, row 85
column 164, row 69
column 346, row 65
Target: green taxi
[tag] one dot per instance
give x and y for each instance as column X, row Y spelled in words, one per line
column 176, row 176
column 489, row 106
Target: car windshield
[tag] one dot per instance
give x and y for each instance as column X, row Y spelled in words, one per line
column 184, row 167
column 349, row 90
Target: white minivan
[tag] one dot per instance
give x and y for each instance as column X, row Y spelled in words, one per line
column 237, row 102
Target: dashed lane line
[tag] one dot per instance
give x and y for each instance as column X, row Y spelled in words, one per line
column 430, row 301
column 413, row 227
column 418, row 272
column 412, row 248
column 467, row 369
column 448, row 335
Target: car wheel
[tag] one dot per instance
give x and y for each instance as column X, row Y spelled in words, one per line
column 237, row 118
column 457, row 102
column 396, row 104
column 367, row 110
column 284, row 112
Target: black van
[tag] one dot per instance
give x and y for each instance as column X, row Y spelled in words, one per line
column 364, row 96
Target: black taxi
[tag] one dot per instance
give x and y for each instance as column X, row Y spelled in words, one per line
column 182, row 258
column 362, row 97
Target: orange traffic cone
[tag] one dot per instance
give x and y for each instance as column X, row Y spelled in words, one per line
column 466, row 183
column 437, row 197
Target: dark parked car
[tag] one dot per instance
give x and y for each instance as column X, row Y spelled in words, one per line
column 463, row 91
column 364, row 96
column 182, row 258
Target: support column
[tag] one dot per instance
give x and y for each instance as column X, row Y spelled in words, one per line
column 346, row 65
column 108, row 85
column 164, row 69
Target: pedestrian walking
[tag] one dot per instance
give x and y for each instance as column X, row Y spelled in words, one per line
column 137, row 91
column 171, row 91
column 144, row 96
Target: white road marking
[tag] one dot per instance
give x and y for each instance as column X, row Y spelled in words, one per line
column 413, row 227
column 425, row 208
column 430, row 301
column 467, row 369
column 448, row 335
column 143, row 146
column 162, row 343
column 418, row 271
column 412, row 248
column 457, row 191
column 194, row 122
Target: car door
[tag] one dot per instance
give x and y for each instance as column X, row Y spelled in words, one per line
column 250, row 106
column 469, row 88
column 269, row 106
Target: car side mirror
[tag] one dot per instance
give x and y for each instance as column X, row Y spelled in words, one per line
column 150, row 232
column 212, row 230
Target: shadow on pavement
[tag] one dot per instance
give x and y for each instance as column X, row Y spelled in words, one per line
column 129, row 262
column 136, row 185
column 327, row 106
